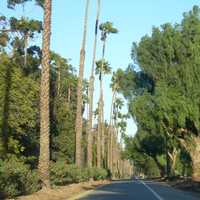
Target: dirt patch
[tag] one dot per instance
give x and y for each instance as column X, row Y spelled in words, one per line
column 63, row 192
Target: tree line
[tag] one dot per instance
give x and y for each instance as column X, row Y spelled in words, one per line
column 162, row 88
column 45, row 139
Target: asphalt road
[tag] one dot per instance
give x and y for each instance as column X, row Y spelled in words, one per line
column 139, row 190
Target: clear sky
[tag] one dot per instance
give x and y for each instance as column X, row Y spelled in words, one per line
column 133, row 18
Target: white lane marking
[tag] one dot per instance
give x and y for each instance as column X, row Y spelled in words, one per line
column 150, row 189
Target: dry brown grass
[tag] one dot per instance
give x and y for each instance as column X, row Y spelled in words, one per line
column 63, row 192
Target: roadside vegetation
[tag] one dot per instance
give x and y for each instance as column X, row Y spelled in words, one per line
column 162, row 88
column 44, row 138
column 52, row 134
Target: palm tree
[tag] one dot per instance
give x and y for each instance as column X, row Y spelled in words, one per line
column 106, row 29
column 115, row 85
column 44, row 98
column 91, row 92
column 79, row 92
column 109, row 131
column 102, row 68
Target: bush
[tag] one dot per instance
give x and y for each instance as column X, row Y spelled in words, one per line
column 99, row 174
column 16, row 178
column 62, row 173
column 151, row 169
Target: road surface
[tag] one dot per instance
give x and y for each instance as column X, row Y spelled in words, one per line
column 139, row 190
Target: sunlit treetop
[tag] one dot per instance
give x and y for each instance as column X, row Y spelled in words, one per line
column 107, row 28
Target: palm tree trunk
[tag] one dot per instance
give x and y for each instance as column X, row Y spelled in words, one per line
column 99, row 136
column 100, row 109
column 79, row 93
column 44, row 99
column 109, row 131
column 91, row 92
column 102, row 127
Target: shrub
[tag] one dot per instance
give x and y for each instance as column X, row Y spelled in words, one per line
column 99, row 174
column 62, row 173
column 17, row 178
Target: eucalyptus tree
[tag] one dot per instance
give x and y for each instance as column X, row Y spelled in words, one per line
column 102, row 68
column 169, row 58
column 44, row 98
column 79, row 120
column 91, row 91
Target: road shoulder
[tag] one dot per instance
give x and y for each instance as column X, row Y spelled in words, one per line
column 68, row 192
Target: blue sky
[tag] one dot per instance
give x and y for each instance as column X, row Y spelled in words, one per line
column 133, row 18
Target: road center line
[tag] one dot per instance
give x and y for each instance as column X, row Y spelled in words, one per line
column 152, row 191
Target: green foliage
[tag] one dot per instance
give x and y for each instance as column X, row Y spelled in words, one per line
column 18, row 111
column 163, row 92
column 16, row 177
column 19, row 105
column 103, row 67
column 12, row 3
column 62, row 173
column 24, row 25
column 107, row 28
column 63, row 92
column 99, row 174
column 151, row 169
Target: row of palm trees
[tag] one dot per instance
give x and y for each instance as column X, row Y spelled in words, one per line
column 102, row 68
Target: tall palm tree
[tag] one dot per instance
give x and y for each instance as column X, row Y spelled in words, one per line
column 91, row 92
column 102, row 68
column 106, row 29
column 109, row 131
column 114, row 85
column 44, row 98
column 79, row 92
